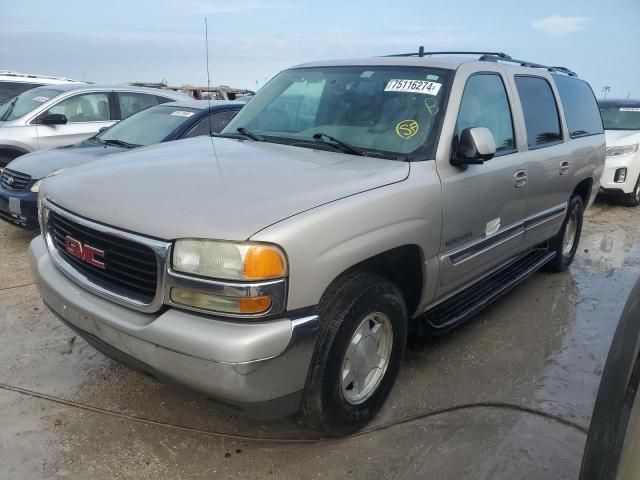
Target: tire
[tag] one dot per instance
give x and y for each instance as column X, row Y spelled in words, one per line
column 564, row 255
column 612, row 444
column 357, row 302
column 4, row 161
column 632, row 199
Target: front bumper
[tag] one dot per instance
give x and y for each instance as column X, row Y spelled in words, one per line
column 19, row 207
column 260, row 367
column 631, row 163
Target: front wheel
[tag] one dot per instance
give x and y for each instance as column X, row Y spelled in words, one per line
column 632, row 199
column 358, row 353
column 565, row 243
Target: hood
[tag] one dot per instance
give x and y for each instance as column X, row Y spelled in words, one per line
column 183, row 189
column 42, row 163
column 621, row 137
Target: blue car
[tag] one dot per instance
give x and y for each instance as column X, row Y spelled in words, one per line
column 20, row 180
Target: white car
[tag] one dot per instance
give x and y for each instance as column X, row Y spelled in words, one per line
column 621, row 175
column 14, row 83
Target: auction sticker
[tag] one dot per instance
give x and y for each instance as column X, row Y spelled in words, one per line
column 182, row 113
column 629, row 109
column 40, row 99
column 413, row 86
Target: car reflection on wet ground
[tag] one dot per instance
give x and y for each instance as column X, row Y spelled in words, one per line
column 509, row 395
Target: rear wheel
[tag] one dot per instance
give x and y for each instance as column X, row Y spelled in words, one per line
column 632, row 199
column 358, row 353
column 565, row 243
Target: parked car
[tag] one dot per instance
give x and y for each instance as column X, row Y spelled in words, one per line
column 21, row 179
column 621, row 176
column 613, row 443
column 280, row 267
column 58, row 115
column 14, row 83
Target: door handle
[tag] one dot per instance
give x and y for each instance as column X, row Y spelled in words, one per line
column 521, row 178
column 564, row 168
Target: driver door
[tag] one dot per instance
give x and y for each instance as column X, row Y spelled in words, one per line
column 86, row 114
column 484, row 206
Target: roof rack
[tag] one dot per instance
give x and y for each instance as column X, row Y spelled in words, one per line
column 488, row 57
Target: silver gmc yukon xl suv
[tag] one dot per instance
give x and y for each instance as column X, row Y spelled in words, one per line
column 279, row 266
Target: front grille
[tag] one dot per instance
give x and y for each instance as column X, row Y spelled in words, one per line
column 131, row 268
column 13, row 180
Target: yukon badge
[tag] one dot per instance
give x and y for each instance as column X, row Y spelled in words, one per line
column 86, row 253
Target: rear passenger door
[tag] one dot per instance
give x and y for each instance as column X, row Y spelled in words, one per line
column 483, row 205
column 548, row 158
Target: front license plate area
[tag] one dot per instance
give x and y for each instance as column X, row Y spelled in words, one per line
column 14, row 206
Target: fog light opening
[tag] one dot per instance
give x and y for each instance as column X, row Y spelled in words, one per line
column 620, row 175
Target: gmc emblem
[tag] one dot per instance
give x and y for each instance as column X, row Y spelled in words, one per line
column 85, row 252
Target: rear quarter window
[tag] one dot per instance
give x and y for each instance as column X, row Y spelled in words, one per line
column 580, row 106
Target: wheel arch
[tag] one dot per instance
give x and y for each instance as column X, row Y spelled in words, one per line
column 404, row 266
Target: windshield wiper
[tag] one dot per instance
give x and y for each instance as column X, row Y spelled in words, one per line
column 339, row 144
column 249, row 134
column 9, row 109
column 119, row 143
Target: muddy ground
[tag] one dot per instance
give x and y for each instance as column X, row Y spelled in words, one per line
column 507, row 396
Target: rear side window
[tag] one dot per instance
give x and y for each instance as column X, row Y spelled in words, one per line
column 11, row 89
column 580, row 106
column 485, row 104
column 131, row 103
column 540, row 111
column 218, row 122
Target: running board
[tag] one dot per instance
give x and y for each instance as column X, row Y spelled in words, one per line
column 452, row 312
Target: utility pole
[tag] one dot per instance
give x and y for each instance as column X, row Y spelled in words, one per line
column 605, row 89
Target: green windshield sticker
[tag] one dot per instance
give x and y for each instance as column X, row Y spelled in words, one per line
column 367, row 74
column 432, row 77
column 41, row 99
column 407, row 129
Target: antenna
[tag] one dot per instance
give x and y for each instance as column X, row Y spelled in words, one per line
column 213, row 145
column 206, row 41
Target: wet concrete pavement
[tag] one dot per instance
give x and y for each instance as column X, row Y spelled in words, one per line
column 523, row 373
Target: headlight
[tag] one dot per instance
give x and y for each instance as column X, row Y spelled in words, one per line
column 35, row 188
column 622, row 150
column 229, row 260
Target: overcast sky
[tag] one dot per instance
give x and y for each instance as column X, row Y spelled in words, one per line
column 251, row 40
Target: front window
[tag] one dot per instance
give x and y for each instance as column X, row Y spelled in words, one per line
column 26, row 102
column 393, row 111
column 621, row 117
column 149, row 126
column 87, row 107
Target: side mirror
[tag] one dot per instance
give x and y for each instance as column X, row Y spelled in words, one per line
column 53, row 119
column 475, row 146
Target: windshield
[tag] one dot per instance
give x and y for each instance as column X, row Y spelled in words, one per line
column 621, row 118
column 25, row 102
column 149, row 126
column 393, row 110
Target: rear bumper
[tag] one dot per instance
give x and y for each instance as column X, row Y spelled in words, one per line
column 260, row 367
column 22, row 210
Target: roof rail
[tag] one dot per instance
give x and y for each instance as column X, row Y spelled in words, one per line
column 421, row 53
column 488, row 57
